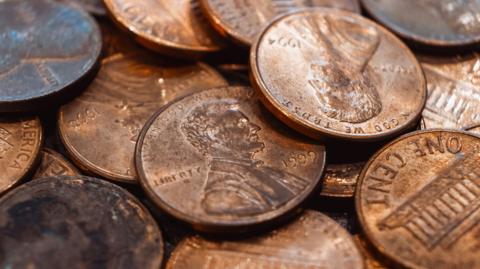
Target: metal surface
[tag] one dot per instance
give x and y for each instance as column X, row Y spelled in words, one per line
column 95, row 7
column 340, row 180
column 53, row 164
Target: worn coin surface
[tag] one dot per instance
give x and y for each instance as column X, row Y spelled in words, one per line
column 430, row 22
column 340, row 180
column 453, row 86
column 101, row 126
column 372, row 259
column 418, row 200
column 242, row 21
column 95, row 7
column 115, row 41
column 174, row 27
column 46, row 47
column 53, row 164
column 20, row 143
column 218, row 161
column 312, row 241
column 327, row 72
column 76, row 222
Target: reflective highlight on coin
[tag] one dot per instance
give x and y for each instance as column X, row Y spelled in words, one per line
column 53, row 164
column 340, row 180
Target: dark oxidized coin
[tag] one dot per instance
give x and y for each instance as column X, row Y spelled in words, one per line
column 76, row 222
column 53, row 164
column 46, row 48
column 217, row 160
column 313, row 241
column 95, row 7
column 340, row 180
column 430, row 22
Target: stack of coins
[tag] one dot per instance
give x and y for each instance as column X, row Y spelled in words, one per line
column 227, row 134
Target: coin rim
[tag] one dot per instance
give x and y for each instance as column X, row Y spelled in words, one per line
column 59, row 157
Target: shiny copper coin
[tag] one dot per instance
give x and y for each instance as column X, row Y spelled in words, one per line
column 216, row 160
column 20, row 143
column 372, row 259
column 53, row 164
column 46, row 48
column 328, row 72
column 77, row 222
column 312, row 241
column 430, row 22
column 100, row 128
column 418, row 200
column 174, row 27
column 340, row 180
column 95, row 7
column 243, row 21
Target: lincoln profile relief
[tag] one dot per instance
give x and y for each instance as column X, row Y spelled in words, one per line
column 237, row 183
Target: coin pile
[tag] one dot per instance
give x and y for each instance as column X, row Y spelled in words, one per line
column 225, row 134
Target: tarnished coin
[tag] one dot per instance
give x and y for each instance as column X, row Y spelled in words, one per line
column 46, row 48
column 76, row 222
column 20, row 143
column 372, row 259
column 115, row 41
column 53, row 164
column 418, row 200
column 95, row 7
column 327, row 72
column 174, row 27
column 340, row 180
column 312, row 241
column 242, row 21
column 430, row 22
column 100, row 127
column 221, row 163
column 453, row 86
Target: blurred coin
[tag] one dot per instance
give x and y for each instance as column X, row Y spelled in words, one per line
column 340, row 180
column 372, row 259
column 53, row 164
column 46, row 48
column 333, row 73
column 430, row 22
column 173, row 27
column 77, row 222
column 218, row 161
column 311, row 241
column 95, row 7
column 115, row 41
column 418, row 200
column 20, row 143
column 243, row 21
column 100, row 128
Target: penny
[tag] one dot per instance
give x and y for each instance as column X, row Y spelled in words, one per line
column 331, row 73
column 100, row 128
column 218, row 161
column 46, row 49
column 76, row 222
column 173, row 27
column 20, row 143
column 312, row 241
column 115, row 41
column 430, row 22
column 53, row 164
column 95, row 7
column 340, row 180
column 242, row 21
column 372, row 259
column 418, row 200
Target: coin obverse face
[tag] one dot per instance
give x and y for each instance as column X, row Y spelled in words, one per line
column 333, row 73
column 53, row 164
column 306, row 243
column 418, row 200
column 218, row 161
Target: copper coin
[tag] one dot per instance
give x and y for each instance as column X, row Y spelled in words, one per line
column 340, row 180
column 20, row 143
column 312, row 241
column 115, row 41
column 216, row 160
column 77, row 222
column 430, row 22
column 418, row 200
column 46, row 47
column 327, row 72
column 242, row 21
column 173, row 27
column 53, row 164
column 95, row 7
column 100, row 128
column 372, row 259
column 453, row 86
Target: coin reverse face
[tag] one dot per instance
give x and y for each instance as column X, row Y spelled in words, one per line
column 333, row 73
column 218, row 161
column 244, row 20
column 100, row 128
column 304, row 243
column 430, row 22
column 46, row 47
column 76, row 222
column 53, row 164
column 418, row 200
